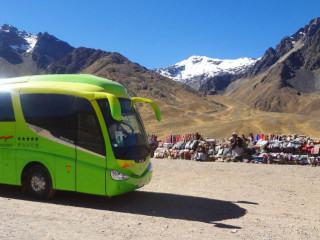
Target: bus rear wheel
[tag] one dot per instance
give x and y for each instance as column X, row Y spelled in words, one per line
column 39, row 183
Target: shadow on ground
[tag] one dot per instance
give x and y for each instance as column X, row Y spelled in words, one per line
column 145, row 203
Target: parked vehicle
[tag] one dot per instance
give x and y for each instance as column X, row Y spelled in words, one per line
column 72, row 132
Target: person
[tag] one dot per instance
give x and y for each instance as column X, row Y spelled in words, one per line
column 236, row 144
column 250, row 138
column 116, row 133
column 244, row 138
column 245, row 141
column 201, row 153
column 197, row 136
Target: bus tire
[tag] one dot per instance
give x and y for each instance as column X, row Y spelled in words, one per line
column 39, row 183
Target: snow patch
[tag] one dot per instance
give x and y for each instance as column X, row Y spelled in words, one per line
column 197, row 69
column 30, row 39
column 20, row 47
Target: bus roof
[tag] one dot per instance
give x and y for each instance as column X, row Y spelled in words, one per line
column 74, row 81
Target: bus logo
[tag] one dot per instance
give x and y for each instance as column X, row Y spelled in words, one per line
column 6, row 138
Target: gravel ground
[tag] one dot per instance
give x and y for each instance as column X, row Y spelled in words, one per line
column 185, row 200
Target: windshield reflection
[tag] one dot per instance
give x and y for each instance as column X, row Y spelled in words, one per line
column 128, row 137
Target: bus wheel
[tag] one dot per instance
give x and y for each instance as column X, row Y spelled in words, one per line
column 39, row 183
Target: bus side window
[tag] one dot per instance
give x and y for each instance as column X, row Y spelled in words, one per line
column 6, row 108
column 52, row 112
column 89, row 134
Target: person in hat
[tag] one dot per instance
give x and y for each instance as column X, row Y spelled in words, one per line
column 201, row 153
column 236, row 144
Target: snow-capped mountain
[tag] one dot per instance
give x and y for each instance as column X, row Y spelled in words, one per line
column 20, row 41
column 22, row 53
column 196, row 70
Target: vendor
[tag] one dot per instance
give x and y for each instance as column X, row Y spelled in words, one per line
column 250, row 138
column 236, row 144
column 201, row 153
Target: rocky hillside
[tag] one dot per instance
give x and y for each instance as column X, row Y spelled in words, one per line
column 286, row 78
column 22, row 53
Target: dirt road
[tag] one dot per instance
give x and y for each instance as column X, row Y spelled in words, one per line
column 185, row 200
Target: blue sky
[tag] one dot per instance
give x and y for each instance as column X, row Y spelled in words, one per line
column 161, row 33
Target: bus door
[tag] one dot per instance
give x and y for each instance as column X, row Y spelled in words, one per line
column 7, row 140
column 90, row 150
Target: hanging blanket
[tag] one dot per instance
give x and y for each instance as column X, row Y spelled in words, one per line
column 315, row 150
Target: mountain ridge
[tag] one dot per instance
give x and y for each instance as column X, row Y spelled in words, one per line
column 50, row 55
column 208, row 83
column 291, row 75
column 196, row 70
column 282, row 88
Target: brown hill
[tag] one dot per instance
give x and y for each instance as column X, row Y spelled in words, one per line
column 22, row 53
column 181, row 106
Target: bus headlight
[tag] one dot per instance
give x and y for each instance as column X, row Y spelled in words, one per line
column 118, row 176
column 150, row 167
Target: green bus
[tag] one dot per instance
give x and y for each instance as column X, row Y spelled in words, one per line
column 73, row 132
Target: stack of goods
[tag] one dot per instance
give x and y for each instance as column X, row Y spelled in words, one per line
column 161, row 153
column 183, row 150
column 267, row 148
column 186, row 147
column 287, row 149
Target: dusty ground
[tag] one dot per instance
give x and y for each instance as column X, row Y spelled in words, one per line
column 185, row 200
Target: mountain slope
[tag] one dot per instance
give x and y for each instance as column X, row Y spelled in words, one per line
column 22, row 53
column 287, row 78
column 26, row 54
column 179, row 104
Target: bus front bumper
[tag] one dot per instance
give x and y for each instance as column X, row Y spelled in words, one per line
column 117, row 187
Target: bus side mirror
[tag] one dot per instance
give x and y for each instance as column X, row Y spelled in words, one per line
column 114, row 103
column 152, row 103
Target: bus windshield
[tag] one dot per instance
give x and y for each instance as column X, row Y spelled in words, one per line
column 128, row 137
